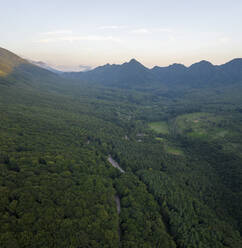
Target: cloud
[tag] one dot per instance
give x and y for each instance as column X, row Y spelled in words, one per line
column 47, row 40
column 85, row 67
column 165, row 30
column 57, row 32
column 140, row 31
column 70, row 68
column 111, row 27
column 80, row 38
column 151, row 30
column 90, row 38
column 172, row 38
column 224, row 40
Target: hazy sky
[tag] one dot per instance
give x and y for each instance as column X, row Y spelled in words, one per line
column 73, row 33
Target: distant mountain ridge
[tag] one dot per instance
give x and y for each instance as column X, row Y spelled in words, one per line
column 133, row 73
column 16, row 70
column 130, row 74
column 125, row 74
column 45, row 66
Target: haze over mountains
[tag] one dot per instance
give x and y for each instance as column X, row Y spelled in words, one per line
column 45, row 66
column 134, row 74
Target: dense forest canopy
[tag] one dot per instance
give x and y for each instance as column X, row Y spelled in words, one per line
column 175, row 131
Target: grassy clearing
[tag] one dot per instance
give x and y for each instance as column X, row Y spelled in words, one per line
column 201, row 125
column 159, row 127
column 173, row 150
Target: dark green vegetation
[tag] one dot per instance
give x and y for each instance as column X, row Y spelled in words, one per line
column 180, row 148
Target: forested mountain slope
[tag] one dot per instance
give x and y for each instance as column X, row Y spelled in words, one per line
column 126, row 75
column 180, row 149
column 57, row 188
column 135, row 75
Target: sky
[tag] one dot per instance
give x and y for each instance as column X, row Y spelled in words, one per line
column 77, row 35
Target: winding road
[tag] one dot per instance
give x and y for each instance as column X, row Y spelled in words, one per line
column 117, row 198
column 115, row 164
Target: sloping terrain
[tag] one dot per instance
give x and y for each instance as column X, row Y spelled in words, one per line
column 57, row 188
column 9, row 61
column 179, row 148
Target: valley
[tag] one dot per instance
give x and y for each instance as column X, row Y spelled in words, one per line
column 66, row 141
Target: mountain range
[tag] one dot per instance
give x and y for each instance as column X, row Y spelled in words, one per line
column 131, row 74
column 174, row 131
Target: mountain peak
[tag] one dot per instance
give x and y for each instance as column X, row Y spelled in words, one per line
column 204, row 67
column 202, row 63
column 132, row 61
column 177, row 66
